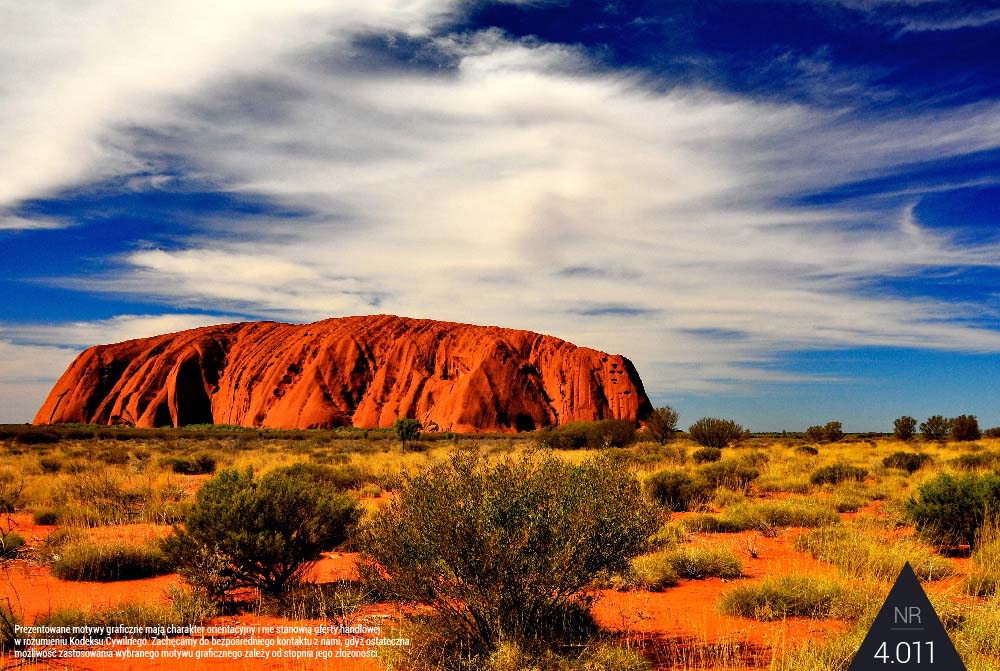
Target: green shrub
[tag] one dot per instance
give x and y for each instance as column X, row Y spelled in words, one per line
column 907, row 461
column 713, row 432
column 407, row 430
column 109, row 561
column 11, row 543
column 730, row 473
column 50, row 464
column 505, row 550
column 905, row 427
column 342, row 477
column 706, row 454
column 935, row 428
column 833, row 432
column 951, row 510
column 975, row 461
column 46, row 516
column 814, row 433
column 607, row 433
column 661, row 425
column 669, row 536
column 37, row 437
column 678, row 491
column 651, row 572
column 765, row 516
column 261, row 532
column 965, row 428
column 198, row 464
column 785, row 596
column 11, row 495
column 837, row 473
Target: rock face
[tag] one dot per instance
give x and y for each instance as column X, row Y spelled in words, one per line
column 360, row 371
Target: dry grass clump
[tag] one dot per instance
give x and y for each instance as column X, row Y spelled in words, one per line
column 865, row 551
column 766, row 516
column 660, row 570
column 109, row 561
column 985, row 577
column 790, row 596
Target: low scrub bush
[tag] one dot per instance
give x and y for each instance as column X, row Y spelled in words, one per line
column 263, row 533
column 864, row 552
column 713, row 432
column 837, row 473
column 603, row 434
column 698, row 563
column 678, row 491
column 807, row 449
column 706, row 454
column 734, row 474
column 109, row 561
column 11, row 543
column 786, row 596
column 37, row 437
column 907, row 461
column 652, row 572
column 669, row 536
column 341, row 477
column 975, row 461
column 46, row 516
column 765, row 516
column 951, row 510
column 50, row 464
column 505, row 551
column 196, row 464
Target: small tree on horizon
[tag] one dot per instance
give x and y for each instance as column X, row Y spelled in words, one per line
column 905, row 427
column 661, row 425
column 935, row 428
column 965, row 428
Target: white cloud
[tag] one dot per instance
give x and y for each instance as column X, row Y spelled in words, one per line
column 15, row 223
column 520, row 189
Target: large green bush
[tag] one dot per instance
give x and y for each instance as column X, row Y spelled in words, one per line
column 713, row 432
column 261, row 532
column 950, row 510
column 504, row 551
column 678, row 491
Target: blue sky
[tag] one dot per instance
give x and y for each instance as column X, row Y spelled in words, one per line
column 782, row 212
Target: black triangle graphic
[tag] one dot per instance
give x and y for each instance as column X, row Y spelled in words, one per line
column 907, row 633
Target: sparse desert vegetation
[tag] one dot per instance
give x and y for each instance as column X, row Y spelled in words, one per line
column 507, row 551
